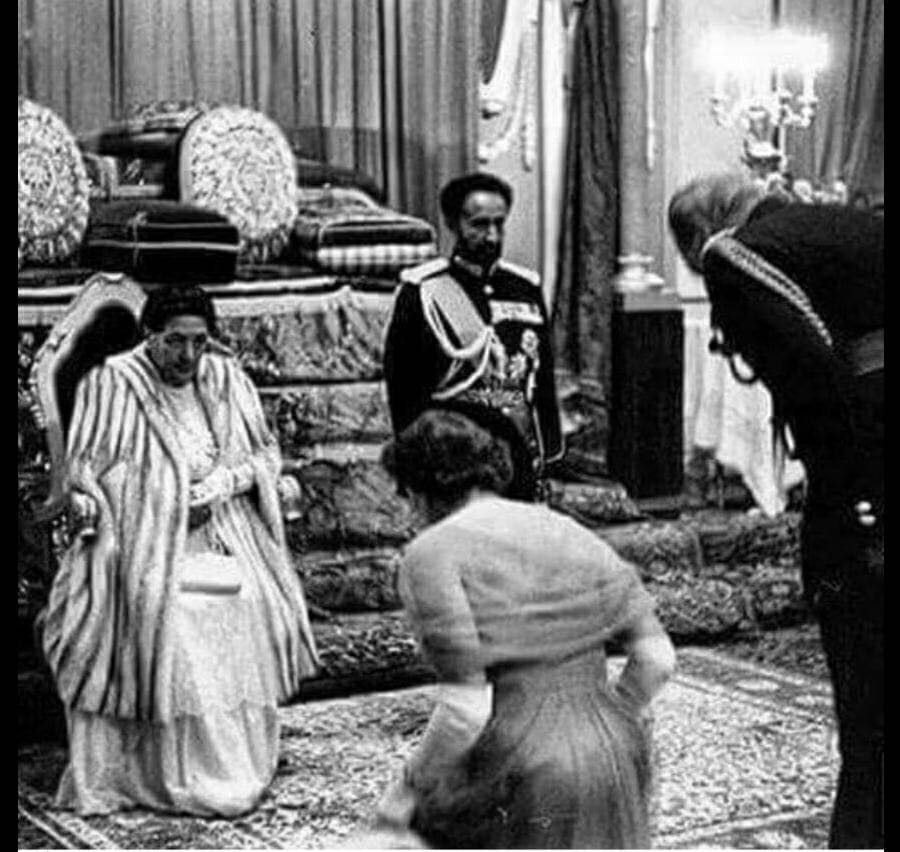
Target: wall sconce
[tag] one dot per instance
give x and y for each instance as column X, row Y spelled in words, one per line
column 765, row 84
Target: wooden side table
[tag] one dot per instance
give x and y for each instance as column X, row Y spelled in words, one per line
column 646, row 400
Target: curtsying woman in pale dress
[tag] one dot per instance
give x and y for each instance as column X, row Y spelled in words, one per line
column 529, row 744
column 179, row 624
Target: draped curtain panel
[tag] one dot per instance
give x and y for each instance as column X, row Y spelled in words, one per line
column 846, row 139
column 431, row 79
column 386, row 87
column 492, row 15
column 582, row 305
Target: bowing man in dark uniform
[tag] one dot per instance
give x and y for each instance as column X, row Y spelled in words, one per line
column 797, row 291
column 471, row 333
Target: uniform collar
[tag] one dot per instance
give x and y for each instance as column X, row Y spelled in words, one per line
column 474, row 269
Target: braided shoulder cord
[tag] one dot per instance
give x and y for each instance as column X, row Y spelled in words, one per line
column 758, row 268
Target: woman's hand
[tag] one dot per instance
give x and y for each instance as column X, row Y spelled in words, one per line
column 289, row 496
column 651, row 662
column 397, row 806
column 217, row 487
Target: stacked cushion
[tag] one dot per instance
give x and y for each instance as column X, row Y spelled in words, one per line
column 140, row 153
column 237, row 163
column 227, row 159
column 53, row 188
column 315, row 173
column 161, row 241
column 343, row 230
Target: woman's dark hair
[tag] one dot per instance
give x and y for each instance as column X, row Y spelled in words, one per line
column 175, row 301
column 444, row 455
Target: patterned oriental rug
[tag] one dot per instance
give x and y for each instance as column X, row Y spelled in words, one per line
column 745, row 759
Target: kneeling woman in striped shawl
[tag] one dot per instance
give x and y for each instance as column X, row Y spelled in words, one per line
column 177, row 624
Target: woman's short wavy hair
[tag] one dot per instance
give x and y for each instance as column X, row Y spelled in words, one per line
column 707, row 205
column 443, row 455
column 176, row 301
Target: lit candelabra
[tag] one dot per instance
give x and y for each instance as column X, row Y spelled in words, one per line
column 764, row 84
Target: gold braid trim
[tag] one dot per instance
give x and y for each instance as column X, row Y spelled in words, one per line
column 772, row 278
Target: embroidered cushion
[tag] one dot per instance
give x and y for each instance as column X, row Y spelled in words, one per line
column 166, row 115
column 238, row 162
column 53, row 188
column 143, row 147
column 148, row 130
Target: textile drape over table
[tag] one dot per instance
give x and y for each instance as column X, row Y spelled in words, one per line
column 386, row 87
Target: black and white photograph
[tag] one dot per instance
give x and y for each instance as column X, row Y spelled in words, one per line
column 450, row 424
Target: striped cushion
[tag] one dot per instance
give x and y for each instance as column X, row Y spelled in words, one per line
column 360, row 227
column 162, row 241
column 344, row 230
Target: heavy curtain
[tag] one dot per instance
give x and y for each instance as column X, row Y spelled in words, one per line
column 582, row 304
column 386, row 87
column 846, row 139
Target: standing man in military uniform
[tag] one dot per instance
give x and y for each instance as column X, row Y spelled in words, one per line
column 471, row 333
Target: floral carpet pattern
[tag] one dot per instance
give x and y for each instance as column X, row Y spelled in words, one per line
column 744, row 754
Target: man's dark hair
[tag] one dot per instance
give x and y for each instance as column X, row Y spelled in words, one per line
column 454, row 193
column 175, row 301
column 444, row 455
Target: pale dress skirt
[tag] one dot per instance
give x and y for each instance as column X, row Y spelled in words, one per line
column 219, row 753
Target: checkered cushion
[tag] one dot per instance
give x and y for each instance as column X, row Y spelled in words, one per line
column 344, row 230
column 378, row 259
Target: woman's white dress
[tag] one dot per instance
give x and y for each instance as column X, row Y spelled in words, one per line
column 220, row 751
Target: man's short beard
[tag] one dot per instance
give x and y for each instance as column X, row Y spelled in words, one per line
column 483, row 255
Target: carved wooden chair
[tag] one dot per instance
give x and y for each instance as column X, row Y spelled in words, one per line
column 104, row 318
column 101, row 320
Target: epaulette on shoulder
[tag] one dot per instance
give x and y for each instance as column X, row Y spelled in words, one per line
column 417, row 274
column 521, row 271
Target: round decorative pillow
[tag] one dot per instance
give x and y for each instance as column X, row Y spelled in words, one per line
column 238, row 162
column 53, row 187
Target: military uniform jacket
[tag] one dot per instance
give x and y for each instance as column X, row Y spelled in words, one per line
column 835, row 255
column 458, row 335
